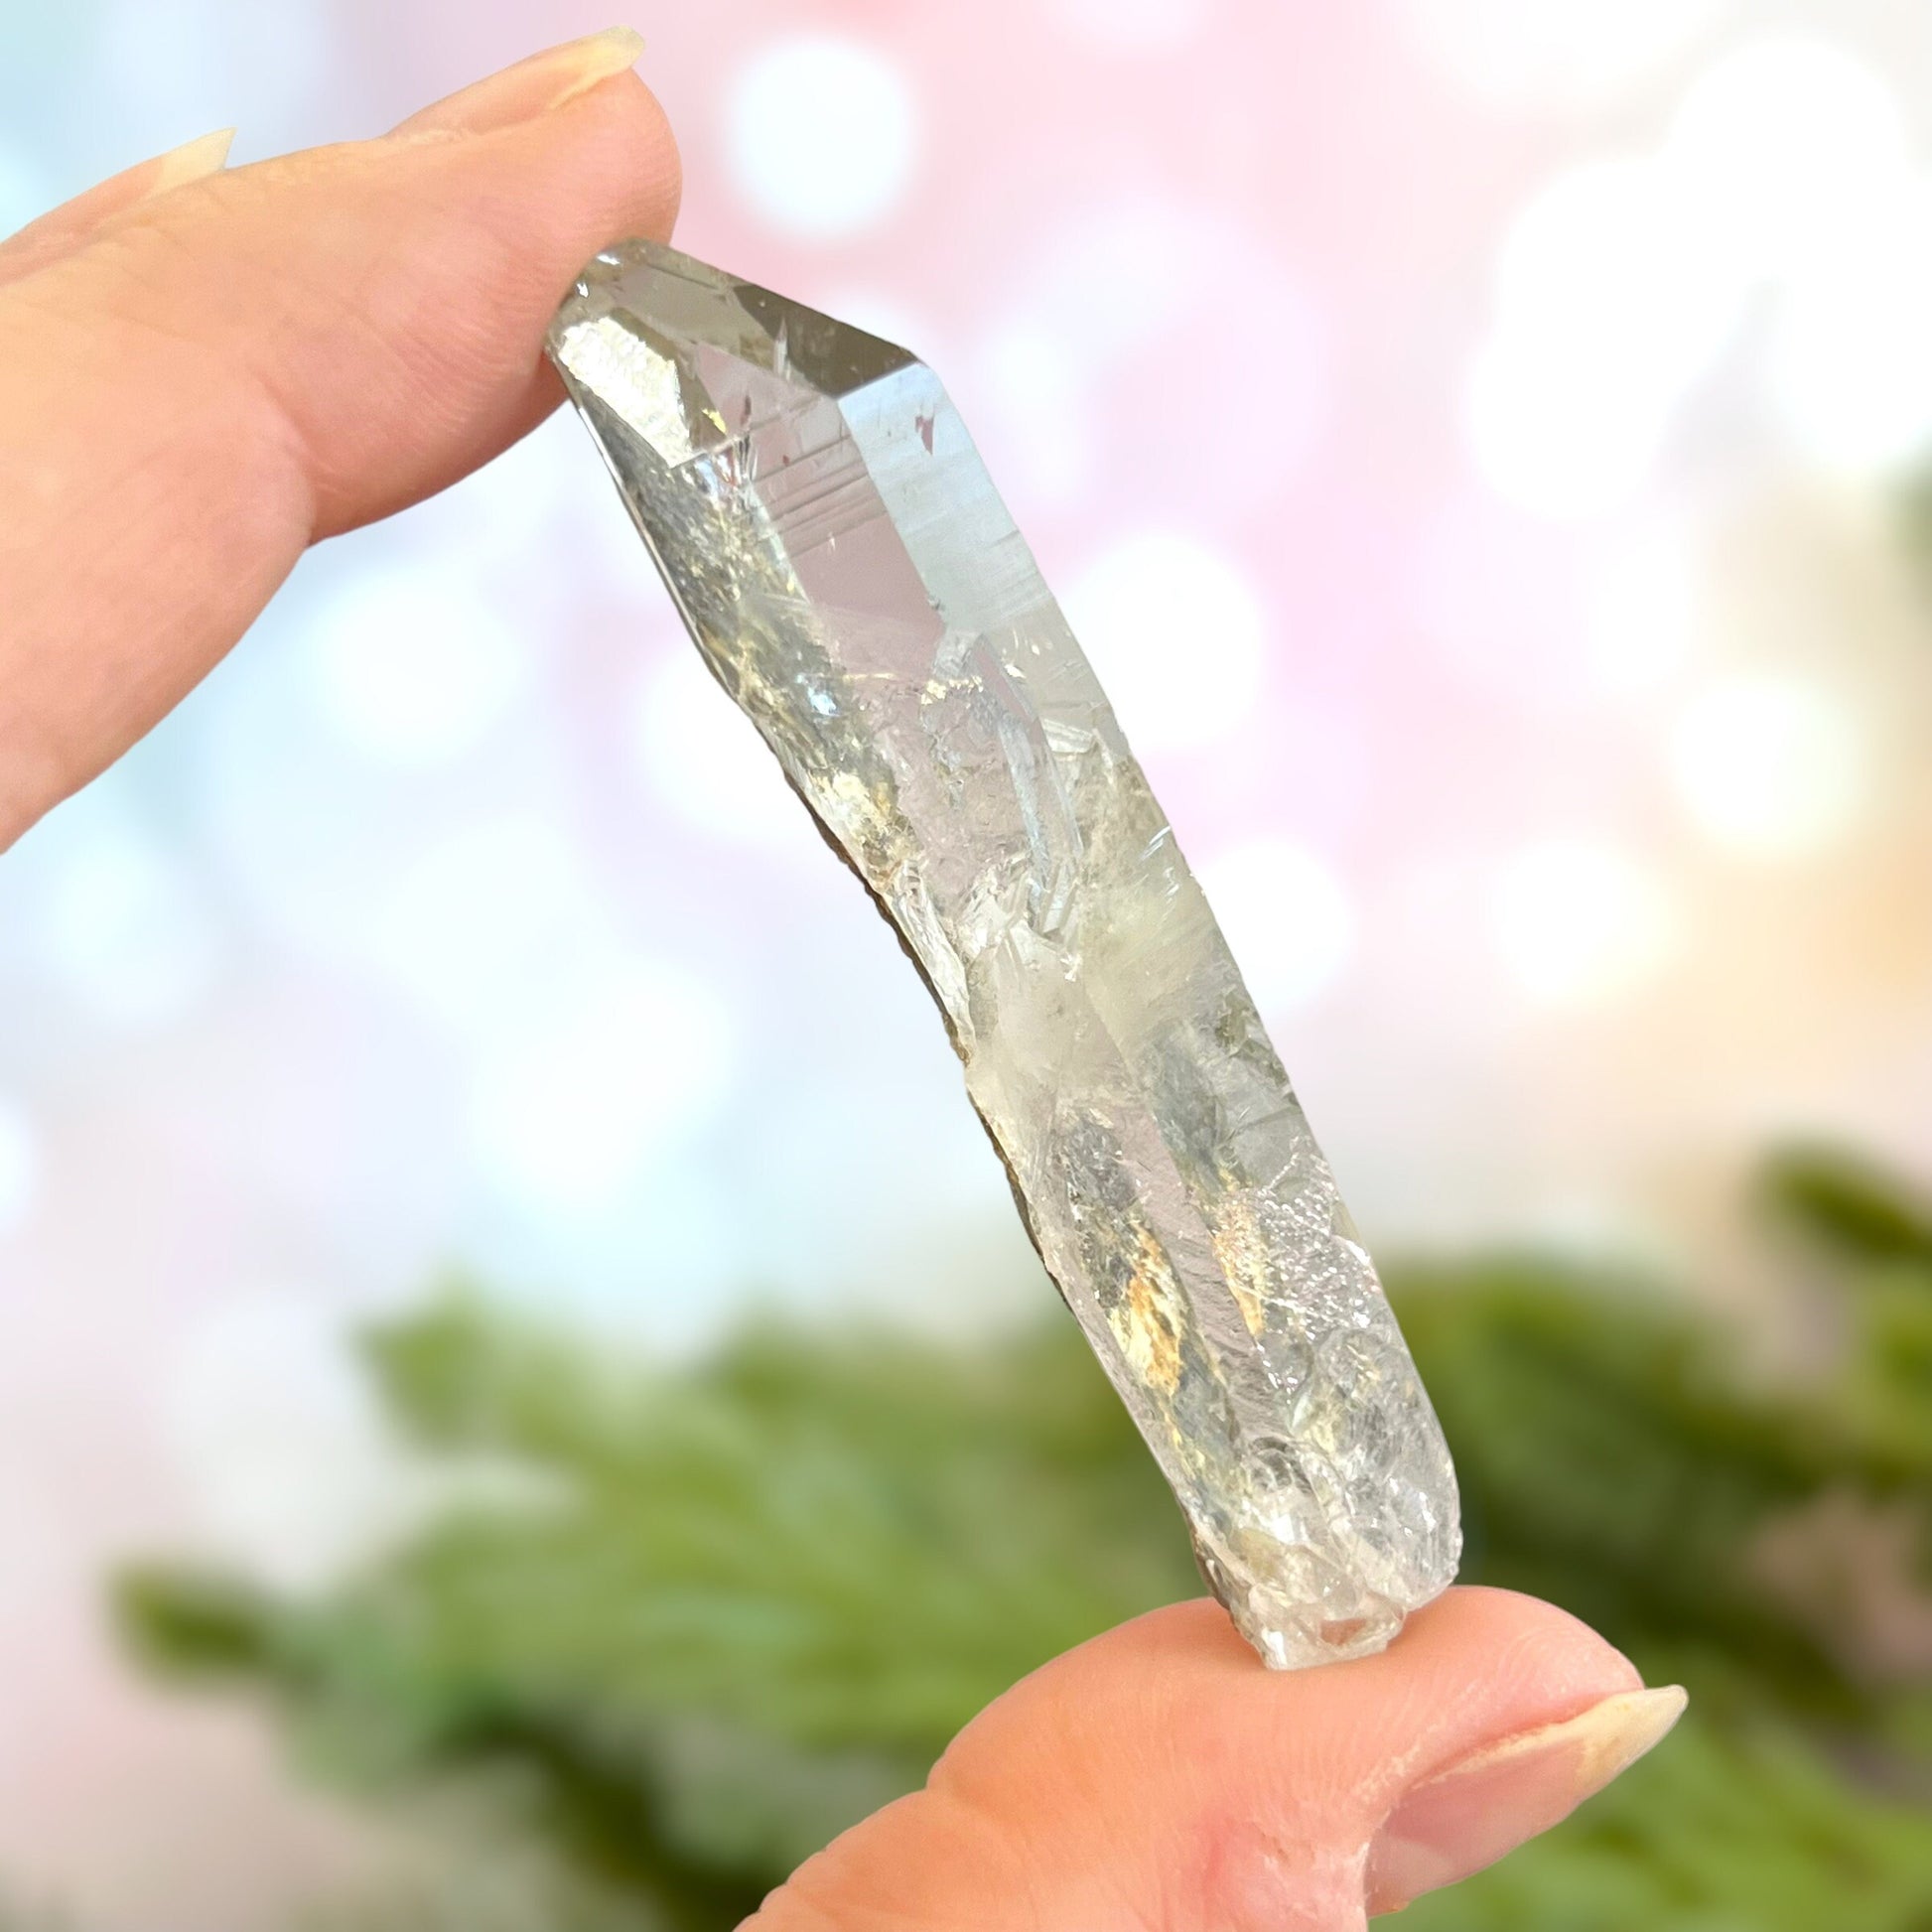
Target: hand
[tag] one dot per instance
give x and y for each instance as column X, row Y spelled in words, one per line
column 200, row 377
column 203, row 371
column 1159, row 1780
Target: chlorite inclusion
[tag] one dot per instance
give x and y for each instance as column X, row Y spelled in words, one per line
column 853, row 581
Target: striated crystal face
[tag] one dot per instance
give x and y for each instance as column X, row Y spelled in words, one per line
column 852, row 578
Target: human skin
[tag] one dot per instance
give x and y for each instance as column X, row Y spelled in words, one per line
column 204, row 370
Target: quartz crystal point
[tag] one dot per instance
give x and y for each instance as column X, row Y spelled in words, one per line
column 853, row 581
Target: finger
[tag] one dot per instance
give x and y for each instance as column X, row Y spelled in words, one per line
column 1159, row 1776
column 272, row 354
column 61, row 231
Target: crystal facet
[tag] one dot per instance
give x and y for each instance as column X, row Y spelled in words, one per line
column 853, row 580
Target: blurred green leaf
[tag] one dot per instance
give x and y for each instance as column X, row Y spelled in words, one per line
column 671, row 1631
column 1848, row 1204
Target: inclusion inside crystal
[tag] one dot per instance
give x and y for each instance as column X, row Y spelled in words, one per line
column 854, row 583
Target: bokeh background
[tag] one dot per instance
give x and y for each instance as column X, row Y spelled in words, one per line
column 1480, row 443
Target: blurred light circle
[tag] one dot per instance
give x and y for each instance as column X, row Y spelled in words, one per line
column 1557, row 435
column 1783, row 139
column 1133, row 25
column 1847, row 364
column 1606, row 250
column 823, row 136
column 1287, row 919
column 270, row 1418
column 19, row 1164
column 123, row 931
column 1770, row 767
column 1560, row 52
column 412, row 667
column 1122, row 274
column 487, row 922
column 565, row 1118
column 1579, row 922
column 1610, row 303
column 1113, row 299
column 1178, row 634
column 705, row 760
column 1036, row 397
column 1645, row 614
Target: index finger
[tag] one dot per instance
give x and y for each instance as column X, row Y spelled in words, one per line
column 210, row 381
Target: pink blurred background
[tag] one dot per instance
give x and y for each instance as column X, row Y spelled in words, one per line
column 1472, row 438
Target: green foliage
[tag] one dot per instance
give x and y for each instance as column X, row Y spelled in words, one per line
column 717, row 1617
column 669, row 1632
column 1742, row 1824
column 1847, row 1206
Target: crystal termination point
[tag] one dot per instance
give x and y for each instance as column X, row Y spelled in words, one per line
column 853, row 580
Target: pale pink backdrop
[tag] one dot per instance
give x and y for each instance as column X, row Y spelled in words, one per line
column 1469, row 435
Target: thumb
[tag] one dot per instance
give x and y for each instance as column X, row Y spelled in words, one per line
column 1159, row 1776
column 196, row 384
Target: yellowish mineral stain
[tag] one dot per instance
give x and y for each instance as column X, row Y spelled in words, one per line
column 1242, row 1250
column 1146, row 1320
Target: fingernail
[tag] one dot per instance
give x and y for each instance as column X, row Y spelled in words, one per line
column 531, row 87
column 207, row 155
column 1470, row 1815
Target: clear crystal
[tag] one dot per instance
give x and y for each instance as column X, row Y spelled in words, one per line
column 853, row 581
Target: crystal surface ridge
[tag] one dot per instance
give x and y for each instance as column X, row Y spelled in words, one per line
column 853, row 581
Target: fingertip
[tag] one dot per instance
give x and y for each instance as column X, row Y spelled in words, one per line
column 263, row 356
column 1516, row 1652
column 400, row 333
column 1264, row 1791
column 1185, row 1708
column 1160, row 1774
column 630, row 94
column 192, row 160
column 655, row 189
column 620, row 153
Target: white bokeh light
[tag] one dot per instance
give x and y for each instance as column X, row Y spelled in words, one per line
column 1779, row 143
column 1605, row 251
column 486, row 924
column 125, row 930
column 568, row 1115
column 704, row 761
column 1126, row 289
column 1178, row 634
column 1610, row 303
column 20, row 1165
column 823, row 136
column 1558, row 436
column 412, row 667
column 1577, row 922
column 270, row 1419
column 1646, row 613
column 1031, row 381
column 1123, row 274
column 1558, row 53
column 1287, row 918
column 1847, row 365
column 1770, row 767
column 1787, row 172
